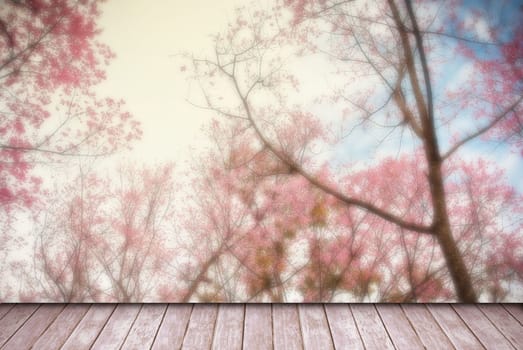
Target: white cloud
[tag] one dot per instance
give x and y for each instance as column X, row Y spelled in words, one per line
column 478, row 26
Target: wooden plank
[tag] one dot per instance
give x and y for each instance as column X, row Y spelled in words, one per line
column 480, row 325
column 116, row 329
column 286, row 327
column 201, row 327
column 314, row 327
column 467, row 326
column 14, row 319
column 506, row 324
column 173, row 327
column 371, row 328
column 344, row 331
column 61, row 328
column 398, row 327
column 257, row 331
column 4, row 309
column 39, row 321
column 145, row 327
column 228, row 333
column 516, row 310
column 429, row 332
column 454, row 328
column 89, row 327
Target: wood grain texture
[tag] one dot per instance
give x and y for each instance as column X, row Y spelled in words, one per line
column 31, row 330
column 4, row 309
column 261, row 326
column 343, row 328
column 56, row 335
column 505, row 323
column 14, row 319
column 457, row 332
column 173, row 327
column 143, row 331
column 89, row 327
column 398, row 327
column 257, row 332
column 516, row 310
column 426, row 327
column 482, row 328
column 201, row 327
column 116, row 329
column 228, row 332
column 314, row 327
column 371, row 328
column 286, row 327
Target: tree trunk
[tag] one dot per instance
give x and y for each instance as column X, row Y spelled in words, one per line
column 453, row 258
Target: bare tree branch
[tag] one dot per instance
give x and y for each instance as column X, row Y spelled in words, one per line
column 482, row 130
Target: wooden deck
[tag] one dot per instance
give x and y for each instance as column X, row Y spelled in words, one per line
column 254, row 326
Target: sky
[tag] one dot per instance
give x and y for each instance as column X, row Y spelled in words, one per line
column 148, row 37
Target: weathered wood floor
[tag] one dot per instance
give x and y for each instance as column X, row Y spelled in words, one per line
column 313, row 326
